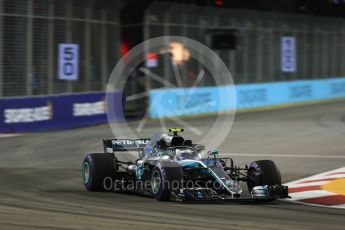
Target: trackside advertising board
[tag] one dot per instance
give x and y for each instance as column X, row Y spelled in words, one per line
column 288, row 54
column 68, row 62
column 56, row 112
column 176, row 102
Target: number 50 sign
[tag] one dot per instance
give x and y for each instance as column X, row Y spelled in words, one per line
column 68, row 61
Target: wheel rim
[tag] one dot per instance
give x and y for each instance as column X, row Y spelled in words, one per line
column 86, row 172
column 156, row 182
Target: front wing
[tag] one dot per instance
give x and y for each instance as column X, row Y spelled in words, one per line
column 273, row 192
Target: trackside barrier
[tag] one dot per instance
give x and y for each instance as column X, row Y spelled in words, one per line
column 57, row 112
column 192, row 101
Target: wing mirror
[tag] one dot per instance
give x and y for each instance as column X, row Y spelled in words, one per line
column 213, row 152
column 199, row 148
column 140, row 162
column 165, row 158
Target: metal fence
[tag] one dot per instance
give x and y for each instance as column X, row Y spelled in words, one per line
column 31, row 31
column 320, row 42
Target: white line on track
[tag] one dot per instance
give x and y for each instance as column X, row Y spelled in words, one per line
column 326, row 177
column 308, row 184
column 5, row 135
column 311, row 194
column 314, row 205
column 319, row 176
column 339, row 206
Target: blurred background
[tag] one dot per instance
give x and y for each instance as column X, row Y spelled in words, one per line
column 56, row 57
column 261, row 41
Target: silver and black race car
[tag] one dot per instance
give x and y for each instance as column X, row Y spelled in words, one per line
column 171, row 168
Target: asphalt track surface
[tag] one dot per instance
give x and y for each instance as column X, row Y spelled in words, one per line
column 41, row 186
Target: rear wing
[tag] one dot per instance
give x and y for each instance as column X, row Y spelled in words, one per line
column 124, row 145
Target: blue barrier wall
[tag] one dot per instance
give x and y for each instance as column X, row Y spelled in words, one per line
column 175, row 102
column 56, row 112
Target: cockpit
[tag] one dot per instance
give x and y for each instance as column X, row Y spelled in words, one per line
column 170, row 147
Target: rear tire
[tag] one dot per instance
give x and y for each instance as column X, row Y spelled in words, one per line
column 165, row 177
column 261, row 173
column 98, row 172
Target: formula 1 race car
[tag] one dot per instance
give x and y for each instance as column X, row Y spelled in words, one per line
column 171, row 168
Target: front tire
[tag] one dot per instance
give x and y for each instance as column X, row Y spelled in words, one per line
column 261, row 173
column 165, row 177
column 98, row 172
